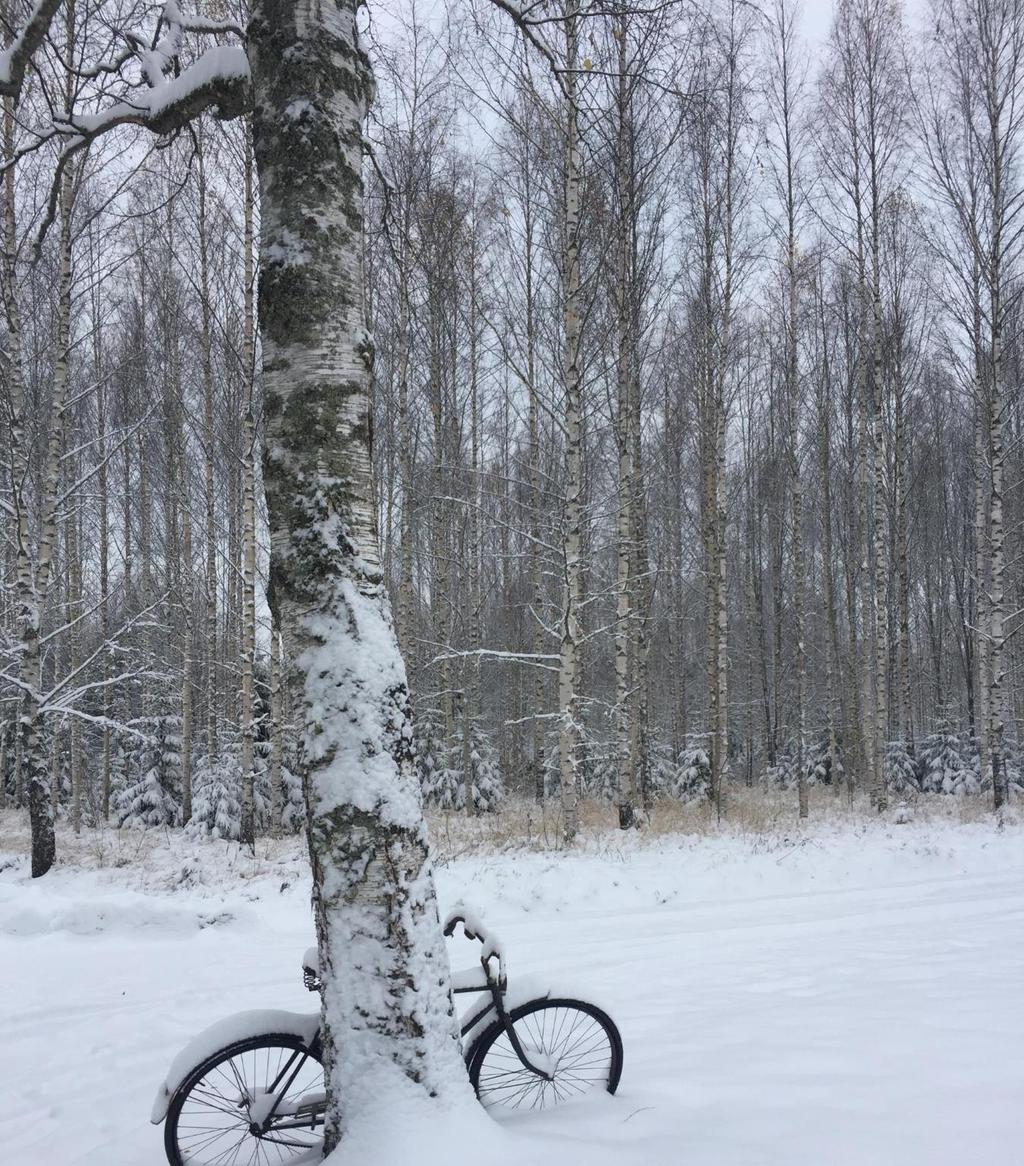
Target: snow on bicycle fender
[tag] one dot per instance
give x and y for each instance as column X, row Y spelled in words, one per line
column 240, row 1026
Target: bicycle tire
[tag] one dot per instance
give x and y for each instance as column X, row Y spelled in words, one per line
column 581, row 1038
column 202, row 1142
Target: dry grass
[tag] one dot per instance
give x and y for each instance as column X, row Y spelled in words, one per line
column 520, row 825
column 756, row 813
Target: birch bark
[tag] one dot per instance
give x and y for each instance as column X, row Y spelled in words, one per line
column 572, row 590
column 34, row 577
column 625, row 613
column 209, row 437
column 386, row 997
column 247, row 833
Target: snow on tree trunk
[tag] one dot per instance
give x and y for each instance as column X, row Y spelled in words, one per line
column 387, row 1007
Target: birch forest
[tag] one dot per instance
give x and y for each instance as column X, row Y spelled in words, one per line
column 697, row 424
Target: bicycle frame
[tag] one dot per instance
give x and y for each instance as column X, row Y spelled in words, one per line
column 495, row 985
column 308, row 1116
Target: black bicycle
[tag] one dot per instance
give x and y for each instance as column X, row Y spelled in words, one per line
column 251, row 1088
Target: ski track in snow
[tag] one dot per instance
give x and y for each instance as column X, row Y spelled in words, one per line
column 855, row 1002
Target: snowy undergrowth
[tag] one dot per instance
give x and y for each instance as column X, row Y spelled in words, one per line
column 761, row 836
column 760, row 848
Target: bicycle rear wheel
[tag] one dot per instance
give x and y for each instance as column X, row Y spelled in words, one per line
column 576, row 1043
column 221, row 1112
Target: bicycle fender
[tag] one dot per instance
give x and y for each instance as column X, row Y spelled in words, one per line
column 230, row 1030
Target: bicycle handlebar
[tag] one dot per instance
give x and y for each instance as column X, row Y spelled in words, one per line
column 473, row 928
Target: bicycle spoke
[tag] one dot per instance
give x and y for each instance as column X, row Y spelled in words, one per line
column 569, row 1042
column 213, row 1125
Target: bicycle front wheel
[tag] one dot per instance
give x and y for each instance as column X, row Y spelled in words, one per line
column 259, row 1101
column 575, row 1044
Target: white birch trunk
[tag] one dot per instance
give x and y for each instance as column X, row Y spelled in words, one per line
column 982, row 429
column 206, row 354
column 405, row 588
column 247, row 832
column 624, row 589
column 880, row 578
column 387, row 1009
column 568, row 666
column 34, row 576
column 103, row 503
column 471, row 683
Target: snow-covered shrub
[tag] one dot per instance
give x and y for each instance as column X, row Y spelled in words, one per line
column 216, row 797
column 1012, row 762
column 662, row 771
column 123, row 765
column 442, row 773
column 1011, row 759
column 694, row 773
column 488, row 788
column 970, row 751
column 783, row 773
column 293, row 808
column 217, row 790
column 435, row 765
column 901, row 769
column 598, row 771
column 686, row 779
column 944, row 768
column 818, row 763
column 149, row 777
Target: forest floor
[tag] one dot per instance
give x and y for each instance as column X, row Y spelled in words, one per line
column 845, row 993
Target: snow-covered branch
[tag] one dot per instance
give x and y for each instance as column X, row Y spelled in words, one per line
column 15, row 59
column 164, row 98
column 535, row 659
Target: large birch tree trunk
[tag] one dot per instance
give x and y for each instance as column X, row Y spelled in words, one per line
column 387, row 1008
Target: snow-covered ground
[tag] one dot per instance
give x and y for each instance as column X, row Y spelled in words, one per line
column 851, row 996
